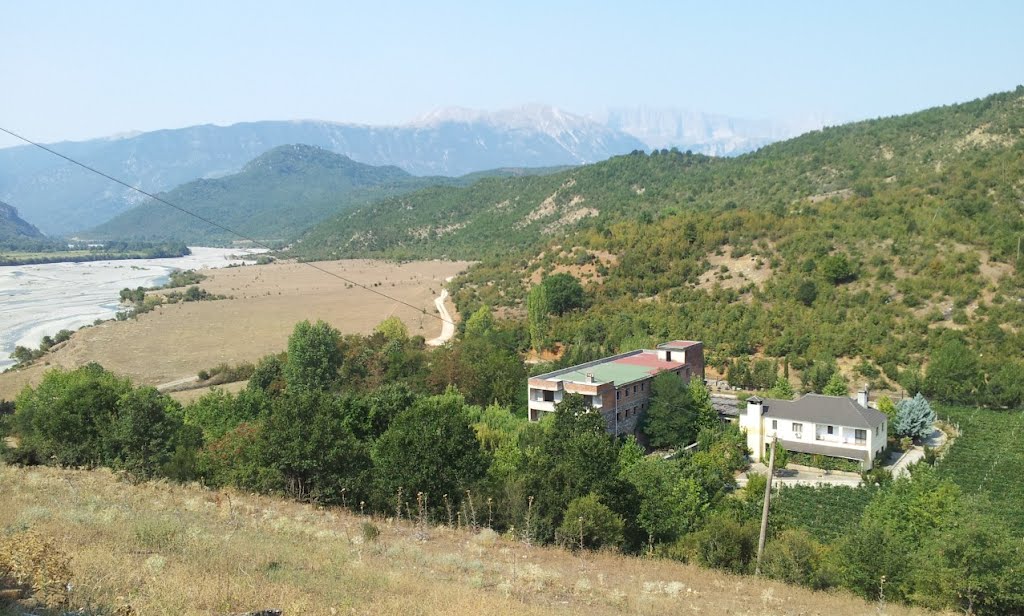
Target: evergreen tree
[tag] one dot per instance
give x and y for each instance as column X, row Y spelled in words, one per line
column 781, row 390
column 538, row 310
column 914, row 418
column 953, row 374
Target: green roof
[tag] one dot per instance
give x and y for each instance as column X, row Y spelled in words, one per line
column 604, row 373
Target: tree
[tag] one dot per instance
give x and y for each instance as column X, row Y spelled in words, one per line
column 575, row 456
column 914, row 418
column 67, row 416
column 796, row 558
column 268, row 375
column 306, row 441
column 781, row 390
column 836, row 269
column 429, row 448
column 564, row 293
column 538, row 309
column 1006, row 387
column 704, row 413
column 807, row 292
column 146, row 432
column 313, row 356
column 887, row 406
column 587, row 518
column 671, row 504
column 781, row 456
column 817, row 375
column 669, row 421
column 953, row 374
column 836, row 385
column 392, row 328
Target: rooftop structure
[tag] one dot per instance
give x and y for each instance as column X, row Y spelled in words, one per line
column 617, row 386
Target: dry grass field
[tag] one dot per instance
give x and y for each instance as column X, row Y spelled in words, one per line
column 169, row 549
column 175, row 341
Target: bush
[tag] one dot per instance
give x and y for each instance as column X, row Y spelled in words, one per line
column 369, row 531
column 796, row 558
column 914, row 418
column 587, row 519
column 35, row 568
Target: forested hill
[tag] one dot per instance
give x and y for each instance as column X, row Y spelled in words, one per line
column 275, row 196
column 878, row 241
column 13, row 227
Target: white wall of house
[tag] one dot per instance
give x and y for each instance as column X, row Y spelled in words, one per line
column 761, row 429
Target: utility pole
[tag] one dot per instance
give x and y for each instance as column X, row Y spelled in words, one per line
column 764, row 511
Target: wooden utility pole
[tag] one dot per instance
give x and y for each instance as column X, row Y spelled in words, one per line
column 764, row 511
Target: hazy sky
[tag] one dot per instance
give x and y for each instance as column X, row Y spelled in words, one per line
column 74, row 70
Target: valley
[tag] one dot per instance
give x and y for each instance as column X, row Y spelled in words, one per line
column 175, row 341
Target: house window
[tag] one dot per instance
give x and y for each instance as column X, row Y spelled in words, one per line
column 549, row 396
column 634, row 389
column 641, row 386
column 775, row 424
column 627, row 392
column 830, row 429
column 860, row 437
column 618, row 395
column 618, row 416
column 798, row 429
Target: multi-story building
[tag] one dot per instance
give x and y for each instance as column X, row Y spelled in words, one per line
column 834, row 426
column 619, row 387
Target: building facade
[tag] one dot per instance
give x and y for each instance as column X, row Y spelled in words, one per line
column 814, row 424
column 618, row 387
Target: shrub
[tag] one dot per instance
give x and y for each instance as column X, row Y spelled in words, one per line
column 587, row 519
column 34, row 566
column 914, row 418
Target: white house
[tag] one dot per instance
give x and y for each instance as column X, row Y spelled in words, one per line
column 834, row 426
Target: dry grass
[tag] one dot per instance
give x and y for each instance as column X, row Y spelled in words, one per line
column 176, row 341
column 168, row 549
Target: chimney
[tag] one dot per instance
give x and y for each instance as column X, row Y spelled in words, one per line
column 862, row 396
column 755, row 406
column 590, row 377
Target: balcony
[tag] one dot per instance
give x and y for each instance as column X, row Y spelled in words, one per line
column 541, row 405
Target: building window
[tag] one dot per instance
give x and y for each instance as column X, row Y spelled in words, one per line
column 618, row 395
column 618, row 416
column 634, row 389
column 549, row 396
column 775, row 424
column 798, row 429
column 627, row 392
column 829, row 430
column 641, row 386
column 860, row 437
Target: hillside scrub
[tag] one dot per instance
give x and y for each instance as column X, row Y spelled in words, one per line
column 829, row 248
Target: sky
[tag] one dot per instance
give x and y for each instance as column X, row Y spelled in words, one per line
column 77, row 70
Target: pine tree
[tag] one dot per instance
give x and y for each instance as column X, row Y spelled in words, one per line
column 538, row 309
column 836, row 385
column 914, row 417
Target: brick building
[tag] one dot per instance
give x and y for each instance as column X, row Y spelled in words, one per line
column 619, row 386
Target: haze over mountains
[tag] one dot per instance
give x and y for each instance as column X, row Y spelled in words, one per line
column 60, row 198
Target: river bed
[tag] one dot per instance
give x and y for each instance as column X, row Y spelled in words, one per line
column 40, row 300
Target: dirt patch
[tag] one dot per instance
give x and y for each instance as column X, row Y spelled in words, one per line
column 981, row 138
column 842, row 194
column 189, row 395
column 175, row 341
column 586, row 272
column 735, row 273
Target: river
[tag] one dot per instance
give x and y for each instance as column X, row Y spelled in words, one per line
column 40, row 300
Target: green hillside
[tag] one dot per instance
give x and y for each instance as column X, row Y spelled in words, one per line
column 880, row 241
column 275, row 196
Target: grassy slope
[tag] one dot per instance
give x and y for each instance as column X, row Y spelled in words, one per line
column 167, row 549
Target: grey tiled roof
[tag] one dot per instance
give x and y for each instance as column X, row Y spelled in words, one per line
column 816, row 408
column 726, row 405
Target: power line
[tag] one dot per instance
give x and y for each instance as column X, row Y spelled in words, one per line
column 218, row 225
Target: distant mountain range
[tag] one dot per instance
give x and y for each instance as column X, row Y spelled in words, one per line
column 60, row 198
column 703, row 133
